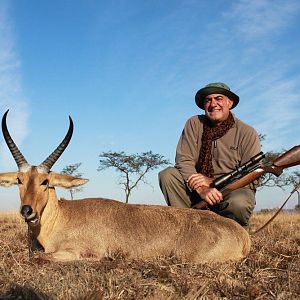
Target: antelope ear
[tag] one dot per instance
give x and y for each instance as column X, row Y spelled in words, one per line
column 8, row 179
column 65, row 181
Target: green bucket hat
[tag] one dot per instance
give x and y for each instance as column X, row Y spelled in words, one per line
column 216, row 88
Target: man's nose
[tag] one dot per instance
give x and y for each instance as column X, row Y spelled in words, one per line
column 213, row 103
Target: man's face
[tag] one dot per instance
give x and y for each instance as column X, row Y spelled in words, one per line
column 217, row 107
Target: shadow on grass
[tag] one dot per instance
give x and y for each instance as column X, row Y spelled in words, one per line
column 24, row 293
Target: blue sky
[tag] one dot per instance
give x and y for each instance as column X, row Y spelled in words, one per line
column 127, row 73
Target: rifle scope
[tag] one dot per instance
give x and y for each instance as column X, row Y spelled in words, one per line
column 247, row 167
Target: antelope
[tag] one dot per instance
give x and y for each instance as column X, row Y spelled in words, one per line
column 93, row 228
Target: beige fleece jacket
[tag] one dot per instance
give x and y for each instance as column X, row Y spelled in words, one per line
column 235, row 148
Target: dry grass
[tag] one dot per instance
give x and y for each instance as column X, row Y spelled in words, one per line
column 272, row 270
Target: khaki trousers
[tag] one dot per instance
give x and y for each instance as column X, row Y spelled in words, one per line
column 238, row 205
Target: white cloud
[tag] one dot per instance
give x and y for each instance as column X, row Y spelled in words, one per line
column 265, row 78
column 253, row 19
column 264, row 70
column 10, row 86
column 270, row 99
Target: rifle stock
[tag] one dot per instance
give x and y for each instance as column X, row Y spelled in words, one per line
column 243, row 181
column 288, row 159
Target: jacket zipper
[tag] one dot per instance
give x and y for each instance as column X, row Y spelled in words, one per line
column 215, row 149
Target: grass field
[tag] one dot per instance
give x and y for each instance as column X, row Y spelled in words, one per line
column 271, row 271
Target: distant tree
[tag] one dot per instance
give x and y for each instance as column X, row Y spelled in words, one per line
column 294, row 179
column 288, row 178
column 297, row 185
column 132, row 168
column 268, row 210
column 72, row 170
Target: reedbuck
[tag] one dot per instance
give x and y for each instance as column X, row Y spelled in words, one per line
column 93, row 228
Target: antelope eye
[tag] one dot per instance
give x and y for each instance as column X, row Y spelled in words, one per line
column 19, row 181
column 45, row 182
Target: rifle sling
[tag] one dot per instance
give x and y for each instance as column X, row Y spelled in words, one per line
column 278, row 211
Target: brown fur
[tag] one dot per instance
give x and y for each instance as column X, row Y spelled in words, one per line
column 93, row 228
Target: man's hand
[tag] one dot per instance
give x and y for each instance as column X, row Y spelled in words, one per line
column 210, row 195
column 201, row 184
column 197, row 180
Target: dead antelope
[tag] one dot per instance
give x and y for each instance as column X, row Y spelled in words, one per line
column 93, row 228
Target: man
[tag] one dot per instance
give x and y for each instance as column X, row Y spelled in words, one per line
column 210, row 146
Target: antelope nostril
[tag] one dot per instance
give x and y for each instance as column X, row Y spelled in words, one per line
column 26, row 210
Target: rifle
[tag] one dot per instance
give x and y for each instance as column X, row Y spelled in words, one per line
column 251, row 171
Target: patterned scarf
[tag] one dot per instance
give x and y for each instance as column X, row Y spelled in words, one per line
column 210, row 134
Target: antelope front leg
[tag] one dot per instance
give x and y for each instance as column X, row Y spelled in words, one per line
column 59, row 256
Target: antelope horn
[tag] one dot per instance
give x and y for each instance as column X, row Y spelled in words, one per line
column 16, row 153
column 47, row 164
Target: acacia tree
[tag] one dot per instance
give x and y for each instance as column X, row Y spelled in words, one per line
column 72, row 170
column 288, row 178
column 132, row 168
